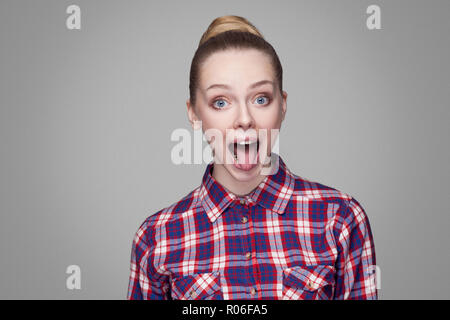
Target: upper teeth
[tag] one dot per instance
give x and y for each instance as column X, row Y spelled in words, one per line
column 246, row 142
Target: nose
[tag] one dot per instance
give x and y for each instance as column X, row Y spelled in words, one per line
column 244, row 119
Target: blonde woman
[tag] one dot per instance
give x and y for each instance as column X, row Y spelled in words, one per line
column 243, row 233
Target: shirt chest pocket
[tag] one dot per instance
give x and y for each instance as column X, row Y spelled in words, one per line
column 308, row 282
column 200, row 286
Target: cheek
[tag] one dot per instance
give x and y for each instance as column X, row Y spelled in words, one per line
column 213, row 124
column 214, row 131
column 271, row 119
column 216, row 120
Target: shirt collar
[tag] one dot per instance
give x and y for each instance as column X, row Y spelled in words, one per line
column 273, row 193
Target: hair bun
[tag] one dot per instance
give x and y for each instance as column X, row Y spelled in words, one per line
column 227, row 23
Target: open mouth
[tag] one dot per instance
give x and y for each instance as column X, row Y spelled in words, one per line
column 244, row 151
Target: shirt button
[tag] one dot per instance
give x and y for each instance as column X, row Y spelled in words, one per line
column 242, row 202
column 248, row 255
column 252, row 291
column 311, row 285
column 244, row 219
column 193, row 294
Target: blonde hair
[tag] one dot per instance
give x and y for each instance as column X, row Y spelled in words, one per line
column 230, row 32
column 227, row 23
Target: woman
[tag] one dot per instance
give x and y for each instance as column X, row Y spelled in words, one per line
column 245, row 233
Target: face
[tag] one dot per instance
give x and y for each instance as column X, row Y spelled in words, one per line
column 238, row 100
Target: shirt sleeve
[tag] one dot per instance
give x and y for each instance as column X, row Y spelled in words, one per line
column 356, row 264
column 144, row 283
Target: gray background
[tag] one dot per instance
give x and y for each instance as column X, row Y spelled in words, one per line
column 86, row 118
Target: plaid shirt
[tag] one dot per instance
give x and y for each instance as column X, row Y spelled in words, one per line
column 290, row 238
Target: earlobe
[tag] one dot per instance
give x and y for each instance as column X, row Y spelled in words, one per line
column 284, row 104
column 191, row 115
column 189, row 112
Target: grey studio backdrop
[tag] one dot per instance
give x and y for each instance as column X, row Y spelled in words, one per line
column 87, row 115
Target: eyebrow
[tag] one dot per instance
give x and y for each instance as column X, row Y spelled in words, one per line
column 256, row 84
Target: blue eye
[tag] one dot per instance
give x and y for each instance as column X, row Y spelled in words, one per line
column 222, row 104
column 262, row 98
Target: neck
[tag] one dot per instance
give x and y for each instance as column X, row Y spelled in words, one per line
column 239, row 188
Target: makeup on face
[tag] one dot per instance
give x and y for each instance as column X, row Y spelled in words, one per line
column 237, row 93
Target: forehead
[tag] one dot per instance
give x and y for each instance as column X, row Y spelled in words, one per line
column 236, row 67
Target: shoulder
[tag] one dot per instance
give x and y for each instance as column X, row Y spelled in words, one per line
column 152, row 225
column 346, row 206
column 313, row 190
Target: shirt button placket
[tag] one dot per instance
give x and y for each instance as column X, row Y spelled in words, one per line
column 244, row 219
column 248, row 256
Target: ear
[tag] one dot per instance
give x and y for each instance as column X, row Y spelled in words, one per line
column 284, row 105
column 192, row 116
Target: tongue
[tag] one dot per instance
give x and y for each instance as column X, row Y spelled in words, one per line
column 246, row 155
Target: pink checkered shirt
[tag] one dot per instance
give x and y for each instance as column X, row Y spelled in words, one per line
column 290, row 238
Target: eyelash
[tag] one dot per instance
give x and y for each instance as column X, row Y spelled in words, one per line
column 269, row 100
